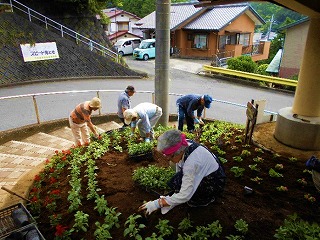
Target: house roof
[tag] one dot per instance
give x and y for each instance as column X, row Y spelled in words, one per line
column 179, row 13
column 122, row 33
column 300, row 21
column 219, row 17
column 113, row 12
column 213, row 18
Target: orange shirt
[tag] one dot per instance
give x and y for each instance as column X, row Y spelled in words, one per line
column 81, row 113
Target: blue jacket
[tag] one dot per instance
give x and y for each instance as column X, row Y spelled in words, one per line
column 190, row 103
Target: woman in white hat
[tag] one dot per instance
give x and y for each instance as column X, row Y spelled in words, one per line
column 145, row 116
column 80, row 120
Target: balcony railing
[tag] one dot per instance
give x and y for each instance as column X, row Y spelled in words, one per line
column 254, row 49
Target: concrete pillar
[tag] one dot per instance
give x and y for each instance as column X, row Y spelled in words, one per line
column 162, row 58
column 307, row 96
column 299, row 126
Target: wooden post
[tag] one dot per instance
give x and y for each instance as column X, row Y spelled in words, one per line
column 252, row 112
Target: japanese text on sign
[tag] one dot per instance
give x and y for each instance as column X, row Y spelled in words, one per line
column 39, row 51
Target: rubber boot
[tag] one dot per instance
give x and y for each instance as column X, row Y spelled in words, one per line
column 20, row 217
column 32, row 235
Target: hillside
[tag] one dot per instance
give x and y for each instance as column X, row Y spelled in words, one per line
column 75, row 61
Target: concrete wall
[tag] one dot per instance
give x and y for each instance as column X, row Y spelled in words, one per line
column 293, row 50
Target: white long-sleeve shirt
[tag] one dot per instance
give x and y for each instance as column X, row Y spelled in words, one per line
column 198, row 165
column 145, row 111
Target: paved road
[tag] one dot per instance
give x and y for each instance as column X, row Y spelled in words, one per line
column 183, row 80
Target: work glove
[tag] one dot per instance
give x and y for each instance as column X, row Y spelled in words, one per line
column 150, row 206
column 196, row 121
column 201, row 122
column 147, row 140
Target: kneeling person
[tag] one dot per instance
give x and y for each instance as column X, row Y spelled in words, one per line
column 200, row 177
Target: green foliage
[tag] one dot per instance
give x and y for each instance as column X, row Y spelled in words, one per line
column 237, row 158
column 185, row 224
column 102, row 231
column 245, row 153
column 274, row 174
column 133, row 227
column 140, row 148
column 101, row 205
column 81, row 221
column 241, row 226
column 238, row 171
column 242, row 63
column 254, row 167
column 295, row 228
column 153, row 177
column 261, row 69
column 164, row 228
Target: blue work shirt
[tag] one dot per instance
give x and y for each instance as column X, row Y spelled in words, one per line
column 145, row 111
column 191, row 102
column 124, row 101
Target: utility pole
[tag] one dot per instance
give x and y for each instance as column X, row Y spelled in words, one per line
column 270, row 27
column 162, row 58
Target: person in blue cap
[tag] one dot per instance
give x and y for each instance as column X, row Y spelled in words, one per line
column 187, row 104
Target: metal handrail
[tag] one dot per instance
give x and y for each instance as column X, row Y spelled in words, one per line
column 64, row 30
column 34, row 95
column 252, row 76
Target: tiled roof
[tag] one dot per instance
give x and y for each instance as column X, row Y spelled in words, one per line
column 214, row 18
column 218, row 17
column 178, row 14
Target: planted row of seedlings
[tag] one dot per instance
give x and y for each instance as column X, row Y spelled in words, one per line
column 84, row 188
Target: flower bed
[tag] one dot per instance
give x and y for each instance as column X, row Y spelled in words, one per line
column 88, row 192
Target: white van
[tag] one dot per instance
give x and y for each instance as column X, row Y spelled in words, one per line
column 125, row 46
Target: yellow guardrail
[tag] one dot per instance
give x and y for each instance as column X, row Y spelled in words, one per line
column 253, row 76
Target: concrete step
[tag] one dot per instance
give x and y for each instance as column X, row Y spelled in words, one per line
column 108, row 126
column 27, row 149
column 64, row 132
column 48, row 140
column 12, row 169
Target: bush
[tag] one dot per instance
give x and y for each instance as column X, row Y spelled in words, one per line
column 262, row 69
column 242, row 63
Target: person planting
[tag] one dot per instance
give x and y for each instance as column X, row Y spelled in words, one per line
column 199, row 178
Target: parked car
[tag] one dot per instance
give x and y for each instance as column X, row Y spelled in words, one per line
column 146, row 49
column 125, row 46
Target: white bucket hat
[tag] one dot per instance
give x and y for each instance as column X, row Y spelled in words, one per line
column 128, row 115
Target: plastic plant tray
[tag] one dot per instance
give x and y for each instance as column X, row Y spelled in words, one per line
column 7, row 224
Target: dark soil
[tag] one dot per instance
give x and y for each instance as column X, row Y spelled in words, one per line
column 264, row 210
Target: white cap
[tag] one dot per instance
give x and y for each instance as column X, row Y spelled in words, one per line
column 128, row 115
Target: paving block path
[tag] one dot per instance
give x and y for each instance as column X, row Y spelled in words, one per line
column 21, row 160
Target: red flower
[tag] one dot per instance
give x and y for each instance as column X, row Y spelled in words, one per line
column 47, row 161
column 60, row 230
column 63, row 158
column 37, row 178
column 52, row 180
column 34, row 189
column 34, row 199
column 47, row 201
column 56, row 151
column 56, row 192
column 51, row 170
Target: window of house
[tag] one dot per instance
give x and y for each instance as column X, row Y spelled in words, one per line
column 228, row 39
column 244, row 39
column 200, row 41
column 123, row 26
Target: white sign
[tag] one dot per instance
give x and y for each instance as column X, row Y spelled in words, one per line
column 39, row 51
